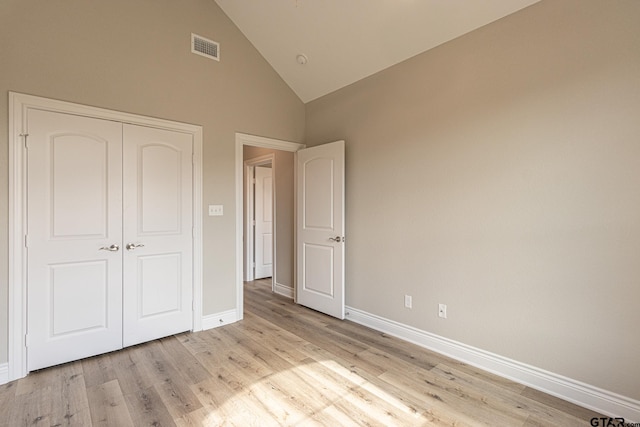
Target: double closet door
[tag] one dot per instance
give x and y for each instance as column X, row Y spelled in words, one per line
column 109, row 239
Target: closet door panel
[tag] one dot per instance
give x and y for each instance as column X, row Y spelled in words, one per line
column 74, row 216
column 158, row 233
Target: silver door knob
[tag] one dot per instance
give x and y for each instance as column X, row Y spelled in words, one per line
column 112, row 248
column 132, row 246
column 336, row 239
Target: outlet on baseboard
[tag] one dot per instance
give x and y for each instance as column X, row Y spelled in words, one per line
column 407, row 301
column 442, row 310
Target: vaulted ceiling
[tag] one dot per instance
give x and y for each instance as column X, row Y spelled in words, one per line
column 344, row 41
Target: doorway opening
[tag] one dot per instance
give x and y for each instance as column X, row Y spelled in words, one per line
column 260, row 151
column 260, row 210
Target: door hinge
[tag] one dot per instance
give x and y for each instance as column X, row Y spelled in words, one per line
column 193, row 232
column 26, row 240
column 253, row 222
column 253, row 264
column 253, row 181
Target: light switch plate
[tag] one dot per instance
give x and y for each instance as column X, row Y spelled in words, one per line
column 216, row 210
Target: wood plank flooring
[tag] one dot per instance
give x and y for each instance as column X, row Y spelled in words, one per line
column 282, row 365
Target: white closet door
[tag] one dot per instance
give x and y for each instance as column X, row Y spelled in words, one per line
column 158, row 233
column 74, row 217
column 263, row 205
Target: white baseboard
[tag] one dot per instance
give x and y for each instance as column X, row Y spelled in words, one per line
column 4, row 373
column 588, row 396
column 219, row 319
column 283, row 290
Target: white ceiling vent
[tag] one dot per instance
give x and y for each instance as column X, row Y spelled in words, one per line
column 205, row 47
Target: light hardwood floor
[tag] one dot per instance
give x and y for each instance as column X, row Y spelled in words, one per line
column 282, row 365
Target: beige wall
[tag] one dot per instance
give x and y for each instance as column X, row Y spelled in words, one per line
column 134, row 56
column 499, row 174
column 284, row 211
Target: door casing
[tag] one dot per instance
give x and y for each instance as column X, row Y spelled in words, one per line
column 19, row 106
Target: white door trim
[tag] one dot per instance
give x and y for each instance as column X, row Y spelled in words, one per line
column 249, row 166
column 19, row 105
column 243, row 139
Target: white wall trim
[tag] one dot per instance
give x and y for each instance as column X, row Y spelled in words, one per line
column 19, row 105
column 588, row 396
column 198, row 252
column 247, row 238
column 283, row 290
column 4, row 373
column 216, row 320
column 274, row 144
column 243, row 139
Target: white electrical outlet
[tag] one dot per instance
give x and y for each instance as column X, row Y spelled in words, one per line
column 407, row 301
column 442, row 310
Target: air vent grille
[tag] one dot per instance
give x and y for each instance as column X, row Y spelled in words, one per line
column 205, row 47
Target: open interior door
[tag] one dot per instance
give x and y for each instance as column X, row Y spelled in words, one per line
column 263, row 222
column 320, row 228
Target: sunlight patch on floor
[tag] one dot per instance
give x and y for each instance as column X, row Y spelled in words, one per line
column 332, row 395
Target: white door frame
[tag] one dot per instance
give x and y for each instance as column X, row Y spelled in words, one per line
column 243, row 139
column 249, row 167
column 19, row 105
